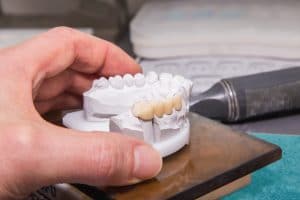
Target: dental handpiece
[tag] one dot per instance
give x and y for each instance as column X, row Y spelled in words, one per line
column 251, row 96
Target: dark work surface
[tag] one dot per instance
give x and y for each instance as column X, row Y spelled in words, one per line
column 215, row 157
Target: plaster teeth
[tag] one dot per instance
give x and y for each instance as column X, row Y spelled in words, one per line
column 129, row 80
column 100, row 83
column 179, row 78
column 143, row 110
column 168, row 106
column 165, row 79
column 177, row 102
column 159, row 109
column 139, row 80
column 163, row 92
column 116, row 82
column 165, row 76
column 151, row 77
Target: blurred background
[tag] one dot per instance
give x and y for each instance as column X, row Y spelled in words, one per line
column 203, row 40
column 108, row 19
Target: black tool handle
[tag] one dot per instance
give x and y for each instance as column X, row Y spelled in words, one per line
column 264, row 93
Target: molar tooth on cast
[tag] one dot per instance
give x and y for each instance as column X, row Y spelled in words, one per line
column 165, row 79
column 179, row 78
column 116, row 82
column 100, row 83
column 151, row 77
column 128, row 79
column 139, row 80
column 165, row 76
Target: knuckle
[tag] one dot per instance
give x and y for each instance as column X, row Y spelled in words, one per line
column 65, row 35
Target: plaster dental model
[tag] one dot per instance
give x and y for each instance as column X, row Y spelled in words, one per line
column 152, row 108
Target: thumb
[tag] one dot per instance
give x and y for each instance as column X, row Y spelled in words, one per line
column 100, row 159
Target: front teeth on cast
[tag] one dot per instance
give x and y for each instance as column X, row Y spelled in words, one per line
column 129, row 80
column 100, row 83
column 139, row 80
column 151, row 77
column 116, row 82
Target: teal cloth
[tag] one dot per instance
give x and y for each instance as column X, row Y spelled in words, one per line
column 278, row 181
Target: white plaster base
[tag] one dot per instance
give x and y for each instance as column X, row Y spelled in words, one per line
column 77, row 121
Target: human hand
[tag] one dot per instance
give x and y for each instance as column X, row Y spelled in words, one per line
column 50, row 72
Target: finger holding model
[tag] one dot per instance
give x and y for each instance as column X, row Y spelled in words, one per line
column 50, row 72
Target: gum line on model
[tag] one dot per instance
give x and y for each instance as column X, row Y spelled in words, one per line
column 152, row 108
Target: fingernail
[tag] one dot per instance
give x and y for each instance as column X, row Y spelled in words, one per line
column 147, row 162
column 133, row 181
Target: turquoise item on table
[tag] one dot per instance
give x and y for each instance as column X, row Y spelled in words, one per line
column 278, row 181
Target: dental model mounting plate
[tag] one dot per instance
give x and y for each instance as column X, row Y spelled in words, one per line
column 152, row 108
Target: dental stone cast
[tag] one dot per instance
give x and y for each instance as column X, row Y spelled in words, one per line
column 100, row 83
column 151, row 77
column 129, row 80
column 139, row 80
column 116, row 82
column 151, row 107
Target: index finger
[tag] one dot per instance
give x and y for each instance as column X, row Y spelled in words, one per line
column 52, row 52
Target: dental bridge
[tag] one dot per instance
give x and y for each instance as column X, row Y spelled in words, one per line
column 152, row 108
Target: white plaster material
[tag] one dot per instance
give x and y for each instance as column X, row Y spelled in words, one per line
column 129, row 80
column 151, row 77
column 151, row 108
column 100, row 83
column 116, row 82
column 139, row 80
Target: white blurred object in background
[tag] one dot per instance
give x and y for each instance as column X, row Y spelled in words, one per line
column 38, row 7
column 207, row 40
column 172, row 28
